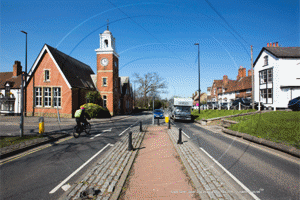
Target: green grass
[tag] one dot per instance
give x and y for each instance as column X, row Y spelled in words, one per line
column 207, row 114
column 278, row 126
column 7, row 141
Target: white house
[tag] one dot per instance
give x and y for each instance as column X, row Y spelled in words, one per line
column 10, row 91
column 277, row 75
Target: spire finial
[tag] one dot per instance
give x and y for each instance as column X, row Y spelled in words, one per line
column 107, row 24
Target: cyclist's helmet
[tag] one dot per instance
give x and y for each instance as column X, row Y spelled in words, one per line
column 82, row 108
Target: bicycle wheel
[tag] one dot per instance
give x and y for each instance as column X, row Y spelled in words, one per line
column 76, row 133
column 88, row 129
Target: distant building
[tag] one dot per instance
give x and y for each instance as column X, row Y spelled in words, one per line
column 277, row 75
column 10, row 90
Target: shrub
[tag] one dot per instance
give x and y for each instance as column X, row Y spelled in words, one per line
column 96, row 111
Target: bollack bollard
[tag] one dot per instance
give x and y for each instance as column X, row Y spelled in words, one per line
column 141, row 127
column 130, row 147
column 180, row 137
column 158, row 121
column 169, row 125
column 41, row 125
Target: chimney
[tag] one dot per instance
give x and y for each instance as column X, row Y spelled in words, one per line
column 268, row 45
column 17, row 68
column 225, row 80
column 249, row 72
column 274, row 44
column 241, row 73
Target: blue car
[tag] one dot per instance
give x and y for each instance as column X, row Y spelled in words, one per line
column 158, row 113
column 294, row 104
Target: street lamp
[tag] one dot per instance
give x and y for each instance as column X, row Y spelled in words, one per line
column 199, row 75
column 22, row 91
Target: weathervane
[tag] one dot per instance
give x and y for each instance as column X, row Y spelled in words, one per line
column 107, row 24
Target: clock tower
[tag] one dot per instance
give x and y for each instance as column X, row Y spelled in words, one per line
column 108, row 72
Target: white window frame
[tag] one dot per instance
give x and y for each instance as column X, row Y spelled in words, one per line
column 104, row 78
column 38, row 96
column 270, row 75
column 56, row 96
column 47, row 75
column 266, row 60
column 237, row 92
column 47, row 96
column 248, row 91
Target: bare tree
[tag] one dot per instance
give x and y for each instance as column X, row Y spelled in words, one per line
column 149, row 85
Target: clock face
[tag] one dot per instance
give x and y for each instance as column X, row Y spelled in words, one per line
column 104, row 62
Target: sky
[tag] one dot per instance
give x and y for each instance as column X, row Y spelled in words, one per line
column 152, row 36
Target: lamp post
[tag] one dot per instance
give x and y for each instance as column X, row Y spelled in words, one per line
column 22, row 91
column 199, row 74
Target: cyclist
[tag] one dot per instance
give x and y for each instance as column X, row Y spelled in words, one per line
column 82, row 118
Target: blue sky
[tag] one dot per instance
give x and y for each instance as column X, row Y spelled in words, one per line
column 152, row 36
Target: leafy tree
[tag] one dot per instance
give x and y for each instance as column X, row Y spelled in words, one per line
column 94, row 97
column 96, row 111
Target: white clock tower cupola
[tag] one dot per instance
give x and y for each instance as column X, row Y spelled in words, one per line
column 107, row 44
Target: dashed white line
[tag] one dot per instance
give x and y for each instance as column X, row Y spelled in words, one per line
column 186, row 135
column 95, row 136
column 71, row 175
column 233, row 177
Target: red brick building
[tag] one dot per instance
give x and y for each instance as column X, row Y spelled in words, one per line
column 59, row 83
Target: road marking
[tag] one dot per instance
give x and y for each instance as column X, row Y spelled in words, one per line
column 66, row 187
column 124, row 130
column 95, row 136
column 71, row 175
column 186, row 135
column 6, row 160
column 233, row 177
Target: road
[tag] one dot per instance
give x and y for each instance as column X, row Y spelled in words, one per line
column 34, row 175
column 274, row 174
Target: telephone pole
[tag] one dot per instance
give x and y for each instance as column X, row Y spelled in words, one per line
column 252, row 78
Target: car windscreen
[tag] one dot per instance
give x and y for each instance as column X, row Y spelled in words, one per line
column 158, row 111
column 246, row 101
column 183, row 108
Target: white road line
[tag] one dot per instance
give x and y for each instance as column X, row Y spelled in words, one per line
column 124, row 130
column 95, row 136
column 71, row 175
column 233, row 177
column 186, row 135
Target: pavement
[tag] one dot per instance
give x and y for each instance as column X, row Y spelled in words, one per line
column 157, row 168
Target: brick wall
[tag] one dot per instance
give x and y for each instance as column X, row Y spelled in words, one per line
column 56, row 80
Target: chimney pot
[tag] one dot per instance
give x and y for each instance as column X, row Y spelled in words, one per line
column 276, row 44
column 268, row 45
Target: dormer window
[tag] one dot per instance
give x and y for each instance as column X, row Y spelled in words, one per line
column 7, row 90
column 266, row 61
column 47, row 75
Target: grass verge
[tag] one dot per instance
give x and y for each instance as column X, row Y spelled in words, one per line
column 278, row 126
column 208, row 114
column 7, row 141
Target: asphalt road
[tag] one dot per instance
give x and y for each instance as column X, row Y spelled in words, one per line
column 34, row 175
column 274, row 174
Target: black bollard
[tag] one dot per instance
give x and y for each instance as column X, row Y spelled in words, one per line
column 180, row 137
column 141, row 127
column 169, row 124
column 130, row 147
column 158, row 121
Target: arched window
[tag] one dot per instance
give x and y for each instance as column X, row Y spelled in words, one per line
column 105, row 43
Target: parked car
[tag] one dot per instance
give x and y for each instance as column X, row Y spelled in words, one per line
column 245, row 104
column 294, row 104
column 224, row 106
column 195, row 107
column 212, row 105
column 158, row 113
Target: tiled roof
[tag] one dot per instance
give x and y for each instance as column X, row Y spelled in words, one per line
column 281, row 52
column 77, row 73
column 8, row 77
column 241, row 84
column 218, row 83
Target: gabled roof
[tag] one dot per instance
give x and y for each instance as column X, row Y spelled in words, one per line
column 15, row 81
column 281, row 52
column 242, row 84
column 75, row 73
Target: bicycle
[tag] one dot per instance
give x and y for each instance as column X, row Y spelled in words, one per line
column 77, row 130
